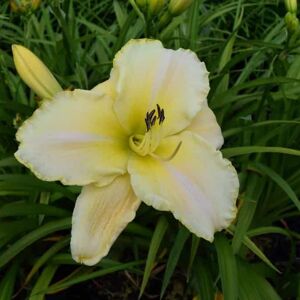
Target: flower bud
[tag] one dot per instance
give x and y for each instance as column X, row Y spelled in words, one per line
column 155, row 6
column 219, row 296
column 177, row 7
column 291, row 6
column 24, row 5
column 142, row 4
column 151, row 7
column 291, row 21
column 34, row 73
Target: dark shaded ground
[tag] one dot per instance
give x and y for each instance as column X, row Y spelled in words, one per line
column 123, row 286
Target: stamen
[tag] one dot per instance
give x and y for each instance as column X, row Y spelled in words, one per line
column 148, row 125
column 158, row 110
column 162, row 116
column 153, row 121
column 169, row 157
column 147, row 143
column 151, row 114
column 149, row 119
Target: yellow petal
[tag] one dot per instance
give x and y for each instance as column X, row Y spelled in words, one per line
column 145, row 74
column 75, row 138
column 205, row 125
column 99, row 217
column 34, row 73
column 198, row 186
column 106, row 88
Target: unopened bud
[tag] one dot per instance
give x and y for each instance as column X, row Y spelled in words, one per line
column 151, row 7
column 291, row 21
column 155, row 6
column 219, row 296
column 34, row 73
column 24, row 5
column 177, row 7
column 291, row 6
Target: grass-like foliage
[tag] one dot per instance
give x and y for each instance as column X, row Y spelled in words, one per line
column 254, row 64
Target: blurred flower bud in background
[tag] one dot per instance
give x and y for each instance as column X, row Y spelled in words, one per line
column 291, row 6
column 151, row 7
column 159, row 13
column 291, row 20
column 177, row 7
column 23, row 6
column 155, row 6
column 219, row 296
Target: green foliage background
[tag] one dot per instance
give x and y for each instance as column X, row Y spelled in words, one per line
column 254, row 65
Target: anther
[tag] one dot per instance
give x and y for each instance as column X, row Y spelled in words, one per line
column 149, row 119
column 162, row 116
column 158, row 110
column 153, row 116
column 153, row 121
column 148, row 125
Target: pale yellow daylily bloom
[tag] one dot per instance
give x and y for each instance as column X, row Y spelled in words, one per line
column 146, row 134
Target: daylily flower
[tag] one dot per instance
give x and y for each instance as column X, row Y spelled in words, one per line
column 146, row 134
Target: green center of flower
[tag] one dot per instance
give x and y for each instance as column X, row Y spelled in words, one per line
column 144, row 144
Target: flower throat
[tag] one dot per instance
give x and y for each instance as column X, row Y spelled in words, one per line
column 146, row 144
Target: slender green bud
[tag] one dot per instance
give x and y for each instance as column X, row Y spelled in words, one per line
column 291, row 21
column 155, row 6
column 177, row 7
column 291, row 6
column 164, row 19
column 151, row 7
column 34, row 73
